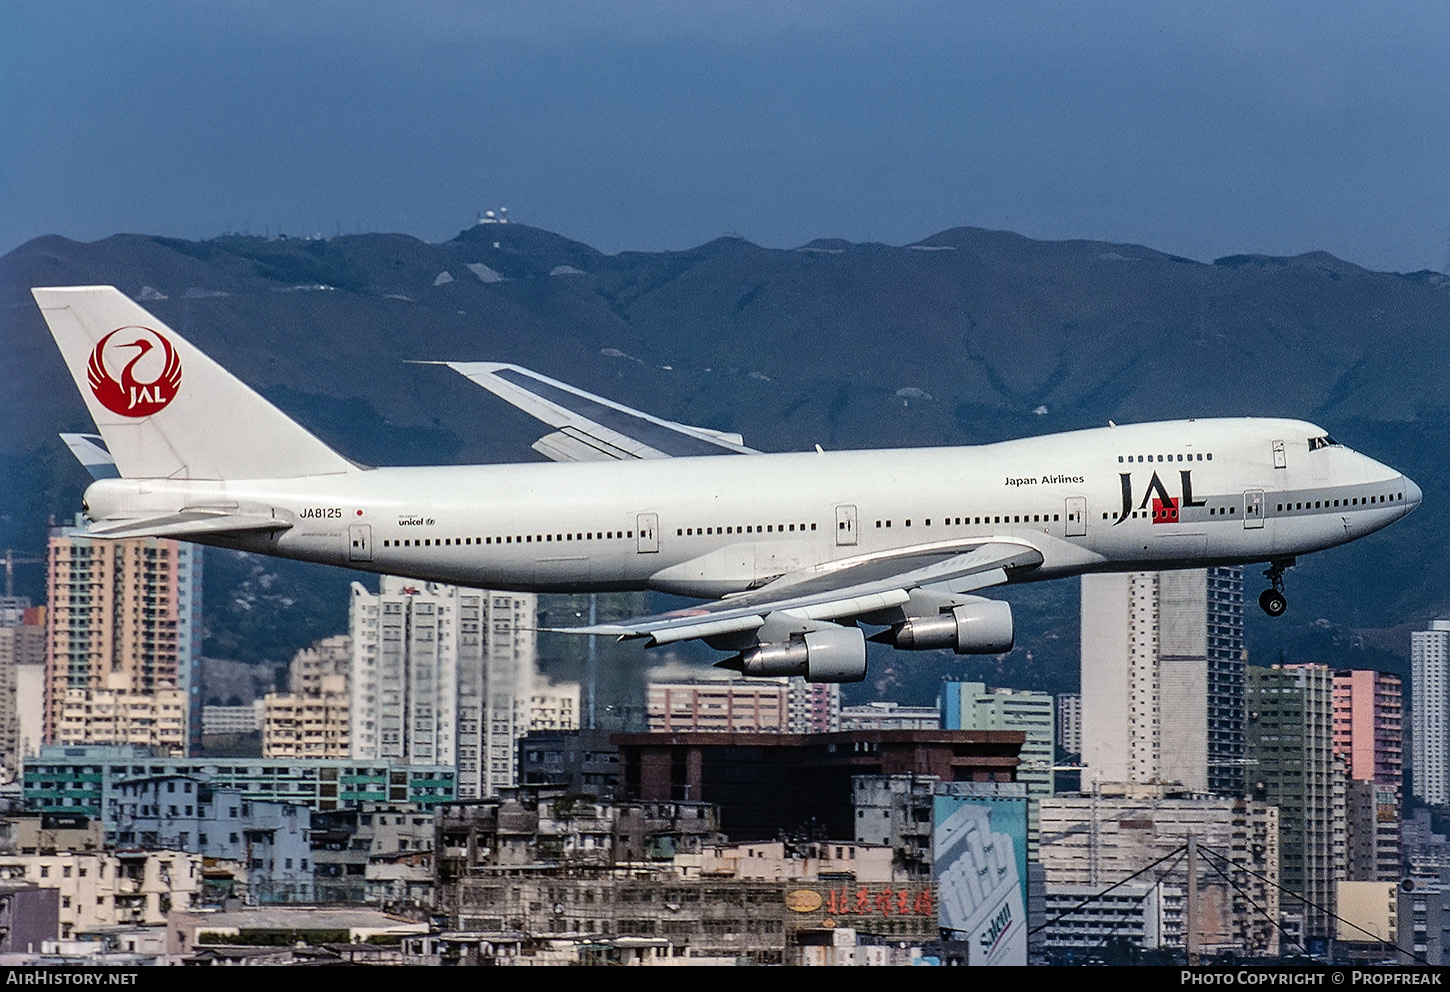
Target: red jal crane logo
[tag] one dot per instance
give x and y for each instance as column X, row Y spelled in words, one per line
column 130, row 396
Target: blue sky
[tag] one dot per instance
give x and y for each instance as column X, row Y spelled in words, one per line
column 1202, row 129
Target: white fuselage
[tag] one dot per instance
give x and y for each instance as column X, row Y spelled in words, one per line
column 1226, row 491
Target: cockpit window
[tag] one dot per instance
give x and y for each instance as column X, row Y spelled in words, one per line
column 1315, row 443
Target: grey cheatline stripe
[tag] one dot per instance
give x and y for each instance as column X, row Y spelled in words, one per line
column 662, row 439
column 1273, row 498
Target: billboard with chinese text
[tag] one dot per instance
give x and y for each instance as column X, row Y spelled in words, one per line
column 893, row 909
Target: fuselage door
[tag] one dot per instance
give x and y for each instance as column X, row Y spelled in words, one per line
column 360, row 542
column 648, row 527
column 1279, row 461
column 1076, row 516
column 1253, row 508
column 845, row 525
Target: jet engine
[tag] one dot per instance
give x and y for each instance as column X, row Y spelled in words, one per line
column 979, row 626
column 834, row 654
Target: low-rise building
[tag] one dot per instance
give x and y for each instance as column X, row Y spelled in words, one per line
column 721, row 704
column 120, row 716
column 85, row 780
column 242, row 719
column 268, row 839
column 378, row 853
column 1367, row 913
column 583, row 762
column 46, row 833
column 533, row 826
column 1119, row 831
column 101, row 889
column 554, row 707
column 270, row 926
column 29, row 915
column 890, row 716
column 805, row 861
column 1085, row 919
column 801, row 783
column 896, row 811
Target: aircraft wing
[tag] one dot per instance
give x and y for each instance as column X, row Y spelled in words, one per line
column 840, row 590
column 183, row 524
column 589, row 427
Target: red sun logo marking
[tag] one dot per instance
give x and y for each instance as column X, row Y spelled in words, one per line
column 131, row 396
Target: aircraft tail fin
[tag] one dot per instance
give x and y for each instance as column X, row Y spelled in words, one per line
column 164, row 408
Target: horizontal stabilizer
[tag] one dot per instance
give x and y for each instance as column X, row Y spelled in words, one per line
column 187, row 523
column 590, row 427
column 90, row 451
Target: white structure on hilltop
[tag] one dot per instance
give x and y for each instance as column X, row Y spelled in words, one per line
column 444, row 675
column 1430, row 689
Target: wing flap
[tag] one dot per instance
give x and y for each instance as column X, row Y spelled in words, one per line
column 570, row 444
column 850, row 589
column 590, row 427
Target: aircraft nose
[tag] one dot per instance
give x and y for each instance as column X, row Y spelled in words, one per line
column 1412, row 493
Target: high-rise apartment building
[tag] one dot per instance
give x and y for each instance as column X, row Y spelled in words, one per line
column 1162, row 678
column 1369, row 731
column 122, row 627
column 22, row 673
column 1430, row 690
column 1369, row 740
column 1291, row 751
column 314, row 719
column 554, row 707
column 972, row 706
column 310, row 725
column 443, row 675
column 327, row 657
column 815, row 707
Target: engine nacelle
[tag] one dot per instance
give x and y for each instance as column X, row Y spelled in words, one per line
column 982, row 626
column 831, row 655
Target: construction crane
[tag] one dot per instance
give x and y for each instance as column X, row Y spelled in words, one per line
column 11, row 561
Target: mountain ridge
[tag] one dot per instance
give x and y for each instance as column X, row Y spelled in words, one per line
column 967, row 335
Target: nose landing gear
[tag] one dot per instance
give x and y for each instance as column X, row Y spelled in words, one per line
column 1272, row 600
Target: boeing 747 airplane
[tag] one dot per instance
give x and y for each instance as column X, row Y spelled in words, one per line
column 793, row 552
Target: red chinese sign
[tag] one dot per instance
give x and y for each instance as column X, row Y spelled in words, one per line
column 886, row 901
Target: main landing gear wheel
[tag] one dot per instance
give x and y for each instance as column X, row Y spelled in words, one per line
column 1272, row 600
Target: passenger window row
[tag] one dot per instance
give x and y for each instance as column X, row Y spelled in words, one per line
column 1190, row 457
column 1020, row 518
column 1326, row 504
column 747, row 529
column 444, row 542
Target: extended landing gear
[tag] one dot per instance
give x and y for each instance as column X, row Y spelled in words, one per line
column 1272, row 600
